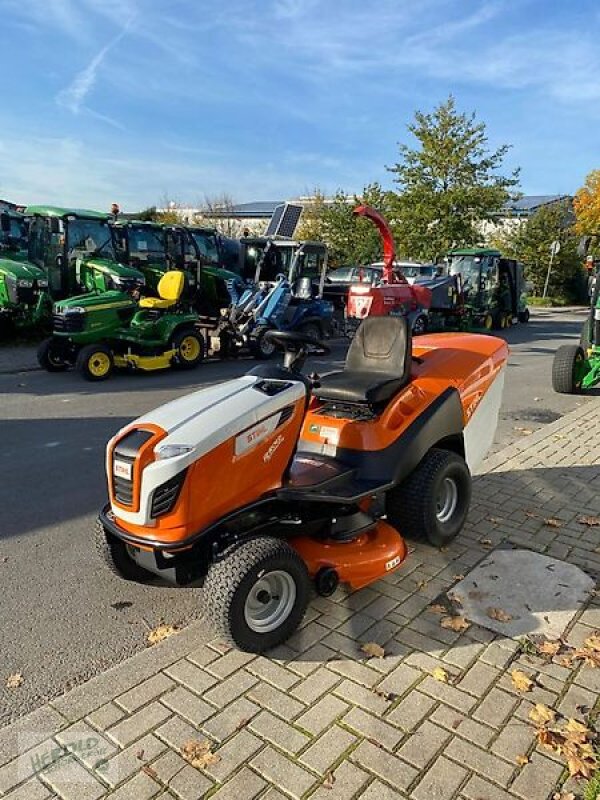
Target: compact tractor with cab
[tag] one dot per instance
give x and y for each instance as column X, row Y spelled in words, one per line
column 76, row 249
column 96, row 333
column 576, row 368
column 24, row 300
column 259, row 487
column 490, row 289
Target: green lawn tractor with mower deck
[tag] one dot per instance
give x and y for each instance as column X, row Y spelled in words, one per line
column 493, row 287
column 24, row 300
column 97, row 332
column 576, row 367
column 76, row 249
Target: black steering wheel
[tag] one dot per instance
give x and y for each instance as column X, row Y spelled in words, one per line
column 294, row 342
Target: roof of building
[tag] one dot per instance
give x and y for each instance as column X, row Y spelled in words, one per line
column 531, row 202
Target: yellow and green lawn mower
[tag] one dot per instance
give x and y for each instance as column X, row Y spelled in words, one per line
column 97, row 332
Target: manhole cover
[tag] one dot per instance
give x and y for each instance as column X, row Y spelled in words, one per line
column 519, row 593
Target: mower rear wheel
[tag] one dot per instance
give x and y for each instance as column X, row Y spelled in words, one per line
column 189, row 345
column 262, row 349
column 113, row 553
column 568, row 369
column 311, row 329
column 523, row 316
column 50, row 356
column 433, row 502
column 584, row 339
column 95, row 362
column 256, row 596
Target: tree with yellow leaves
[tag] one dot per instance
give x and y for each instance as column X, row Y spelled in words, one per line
column 587, row 206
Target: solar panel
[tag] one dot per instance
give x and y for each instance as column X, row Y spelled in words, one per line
column 275, row 219
column 285, row 221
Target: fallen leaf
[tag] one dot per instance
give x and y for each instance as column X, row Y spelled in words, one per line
column 161, row 632
column 524, row 431
column 522, row 760
column 140, row 754
column 438, row 608
column 120, row 605
column 498, row 614
column 440, row 674
column 593, row 642
column 151, row 772
column 552, row 740
column 576, row 731
column 530, row 513
column 373, row 650
column 199, row 754
column 521, row 681
column 552, row 522
column 458, row 577
column 486, row 542
column 541, row 714
column 580, row 767
column 457, row 624
column 548, row 648
column 591, row 522
column 562, row 796
column 242, row 723
column 329, row 780
column 421, row 585
column 14, row 681
column 375, row 742
column 566, row 662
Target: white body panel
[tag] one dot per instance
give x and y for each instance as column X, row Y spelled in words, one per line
column 204, row 420
column 481, row 428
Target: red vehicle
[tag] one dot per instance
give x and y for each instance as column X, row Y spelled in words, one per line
column 394, row 295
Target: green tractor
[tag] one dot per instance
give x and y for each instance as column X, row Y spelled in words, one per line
column 76, row 249
column 493, row 287
column 153, row 249
column 24, row 298
column 97, row 332
column 576, row 368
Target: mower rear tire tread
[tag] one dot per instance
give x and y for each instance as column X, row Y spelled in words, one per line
column 411, row 506
column 564, row 379
column 113, row 553
column 48, row 356
column 585, row 339
column 230, row 580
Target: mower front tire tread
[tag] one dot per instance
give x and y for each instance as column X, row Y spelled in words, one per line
column 113, row 553
column 564, row 367
column 411, row 506
column 229, row 581
column 179, row 340
column 85, row 362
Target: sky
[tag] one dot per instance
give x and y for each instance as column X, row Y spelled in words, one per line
column 142, row 101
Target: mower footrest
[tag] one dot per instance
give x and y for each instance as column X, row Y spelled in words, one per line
column 318, row 478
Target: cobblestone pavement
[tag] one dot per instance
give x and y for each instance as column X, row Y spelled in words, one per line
column 319, row 719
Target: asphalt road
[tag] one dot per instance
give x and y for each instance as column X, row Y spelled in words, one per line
column 63, row 617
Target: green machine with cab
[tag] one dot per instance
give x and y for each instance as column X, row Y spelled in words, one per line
column 76, row 249
column 24, row 300
column 493, row 287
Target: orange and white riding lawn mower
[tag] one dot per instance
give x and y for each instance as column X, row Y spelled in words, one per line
column 256, row 488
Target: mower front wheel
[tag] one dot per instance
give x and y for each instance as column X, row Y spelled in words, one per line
column 50, row 355
column 189, row 347
column 256, row 596
column 568, row 369
column 113, row 553
column 433, row 502
column 95, row 362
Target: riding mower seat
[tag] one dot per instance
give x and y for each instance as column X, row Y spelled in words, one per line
column 170, row 289
column 377, row 365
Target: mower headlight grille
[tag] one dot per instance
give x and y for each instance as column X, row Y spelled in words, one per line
column 165, row 496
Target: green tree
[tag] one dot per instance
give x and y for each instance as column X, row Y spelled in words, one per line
column 530, row 243
column 350, row 239
column 448, row 184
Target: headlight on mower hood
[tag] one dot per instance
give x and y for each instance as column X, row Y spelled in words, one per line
column 42, row 283
column 171, row 450
column 22, row 283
